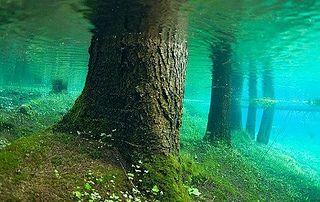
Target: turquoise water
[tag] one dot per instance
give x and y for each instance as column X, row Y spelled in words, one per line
column 43, row 41
column 282, row 35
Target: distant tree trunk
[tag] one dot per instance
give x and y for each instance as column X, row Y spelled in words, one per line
column 218, row 128
column 20, row 75
column 252, row 109
column 236, row 92
column 135, row 83
column 268, row 113
column 59, row 86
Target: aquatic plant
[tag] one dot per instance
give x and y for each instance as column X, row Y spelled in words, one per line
column 121, row 139
column 3, row 143
column 265, row 102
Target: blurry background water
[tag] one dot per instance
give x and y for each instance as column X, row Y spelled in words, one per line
column 42, row 41
column 280, row 35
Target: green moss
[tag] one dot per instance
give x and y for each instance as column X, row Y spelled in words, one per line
column 9, row 161
column 32, row 115
column 56, row 166
column 165, row 172
column 51, row 166
column 246, row 172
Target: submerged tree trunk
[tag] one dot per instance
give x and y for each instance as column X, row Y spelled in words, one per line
column 236, row 92
column 252, row 109
column 218, row 128
column 59, row 86
column 21, row 74
column 268, row 113
column 135, row 83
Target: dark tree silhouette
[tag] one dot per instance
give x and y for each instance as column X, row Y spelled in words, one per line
column 218, row 128
column 21, row 67
column 59, row 86
column 236, row 93
column 252, row 108
column 268, row 113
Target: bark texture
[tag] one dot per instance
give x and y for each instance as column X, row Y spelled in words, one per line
column 252, row 108
column 218, row 128
column 268, row 113
column 236, row 93
column 135, row 83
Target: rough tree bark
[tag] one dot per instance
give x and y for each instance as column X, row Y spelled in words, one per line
column 218, row 127
column 252, row 108
column 135, row 83
column 268, row 113
column 236, row 92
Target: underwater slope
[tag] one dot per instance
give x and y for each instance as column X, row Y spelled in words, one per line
column 50, row 167
column 60, row 167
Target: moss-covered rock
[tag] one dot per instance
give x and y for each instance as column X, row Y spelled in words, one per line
column 25, row 109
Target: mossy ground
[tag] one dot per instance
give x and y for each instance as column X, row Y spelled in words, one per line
column 27, row 111
column 245, row 172
column 229, row 174
column 64, row 167
column 49, row 167
column 55, row 167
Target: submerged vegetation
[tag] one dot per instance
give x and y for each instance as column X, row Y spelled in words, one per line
column 62, row 167
column 125, row 137
column 27, row 111
column 73, row 168
column 246, row 172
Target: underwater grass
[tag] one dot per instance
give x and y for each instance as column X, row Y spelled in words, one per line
column 226, row 174
column 33, row 114
column 50, row 167
column 246, row 172
column 55, row 167
column 59, row 166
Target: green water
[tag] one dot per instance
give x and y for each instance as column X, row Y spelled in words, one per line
column 43, row 42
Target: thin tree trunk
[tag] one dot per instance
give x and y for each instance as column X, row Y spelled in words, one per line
column 21, row 74
column 266, row 125
column 236, row 92
column 268, row 113
column 135, row 83
column 252, row 109
column 218, row 128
